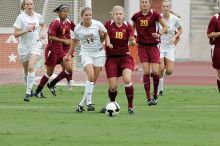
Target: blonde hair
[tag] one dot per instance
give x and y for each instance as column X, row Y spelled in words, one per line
column 84, row 10
column 115, row 8
column 23, row 4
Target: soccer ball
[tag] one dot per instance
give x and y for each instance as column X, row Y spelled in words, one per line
column 112, row 109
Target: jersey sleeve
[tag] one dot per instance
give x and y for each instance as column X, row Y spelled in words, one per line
column 130, row 30
column 158, row 16
column 134, row 18
column 102, row 27
column 178, row 23
column 211, row 26
column 18, row 23
column 53, row 28
column 75, row 33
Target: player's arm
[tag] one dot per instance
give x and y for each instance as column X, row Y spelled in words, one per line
column 213, row 35
column 19, row 32
column 107, row 41
column 163, row 30
column 177, row 34
column 42, row 30
column 73, row 45
column 59, row 40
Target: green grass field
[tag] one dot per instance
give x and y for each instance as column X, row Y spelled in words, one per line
column 185, row 116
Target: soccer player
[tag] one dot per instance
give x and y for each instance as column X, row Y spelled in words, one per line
column 145, row 22
column 55, row 52
column 168, row 43
column 213, row 33
column 67, row 26
column 89, row 33
column 119, row 61
column 30, row 29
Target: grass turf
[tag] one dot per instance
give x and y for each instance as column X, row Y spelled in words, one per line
column 185, row 116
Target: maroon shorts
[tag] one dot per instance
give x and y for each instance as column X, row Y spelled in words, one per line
column 115, row 65
column 216, row 58
column 149, row 54
column 53, row 56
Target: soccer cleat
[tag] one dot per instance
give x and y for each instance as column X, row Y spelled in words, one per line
column 27, row 97
column 152, row 102
column 90, row 107
column 39, row 95
column 103, row 110
column 52, row 89
column 131, row 111
column 32, row 93
column 80, row 109
column 160, row 93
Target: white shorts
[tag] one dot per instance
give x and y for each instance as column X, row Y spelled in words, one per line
column 168, row 52
column 96, row 61
column 27, row 51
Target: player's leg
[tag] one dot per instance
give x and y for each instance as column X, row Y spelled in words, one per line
column 87, row 63
column 144, row 59
column 218, row 80
column 25, row 66
column 67, row 69
column 129, row 89
column 31, row 73
column 155, row 60
column 161, row 68
column 146, row 79
column 51, row 60
column 156, row 77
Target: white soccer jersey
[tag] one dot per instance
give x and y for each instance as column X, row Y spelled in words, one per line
column 173, row 24
column 91, row 44
column 23, row 22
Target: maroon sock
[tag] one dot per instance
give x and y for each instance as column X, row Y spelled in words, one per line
column 218, row 84
column 59, row 77
column 69, row 76
column 42, row 83
column 112, row 95
column 146, row 81
column 129, row 91
column 156, row 79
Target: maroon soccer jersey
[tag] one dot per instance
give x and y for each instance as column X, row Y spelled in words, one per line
column 145, row 26
column 119, row 36
column 214, row 26
column 60, row 30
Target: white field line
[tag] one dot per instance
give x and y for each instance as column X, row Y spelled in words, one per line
column 213, row 108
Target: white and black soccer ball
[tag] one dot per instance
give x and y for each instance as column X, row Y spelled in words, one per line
column 112, row 109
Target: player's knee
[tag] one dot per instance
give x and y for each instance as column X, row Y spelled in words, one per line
column 168, row 72
column 91, row 78
column 30, row 69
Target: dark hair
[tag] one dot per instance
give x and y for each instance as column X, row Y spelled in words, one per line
column 60, row 8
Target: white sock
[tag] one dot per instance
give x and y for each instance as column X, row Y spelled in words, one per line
column 88, row 91
column 160, row 87
column 83, row 101
column 30, row 82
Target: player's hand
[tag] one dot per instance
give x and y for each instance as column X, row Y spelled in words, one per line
column 67, row 57
column 31, row 28
column 132, row 41
column 172, row 41
column 156, row 35
column 109, row 45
